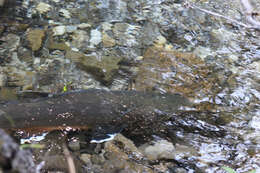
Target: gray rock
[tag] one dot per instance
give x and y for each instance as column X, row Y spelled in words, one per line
column 74, row 145
column 160, row 149
column 3, row 80
column 11, row 154
column 102, row 67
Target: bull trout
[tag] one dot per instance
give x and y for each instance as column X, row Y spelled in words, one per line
column 91, row 108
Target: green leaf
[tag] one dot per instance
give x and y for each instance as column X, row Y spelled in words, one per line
column 65, row 88
column 228, row 169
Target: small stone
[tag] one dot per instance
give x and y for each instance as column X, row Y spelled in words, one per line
column 139, row 58
column 107, row 40
column 160, row 41
column 103, row 68
column 161, row 149
column 74, row 145
column 84, row 25
column 86, row 158
column 65, row 13
column 59, row 30
column 43, row 7
column 36, row 61
column 106, row 26
column 97, row 159
column 35, row 38
column 168, row 47
column 80, row 39
column 255, row 122
column 255, row 65
column 3, row 80
column 95, row 37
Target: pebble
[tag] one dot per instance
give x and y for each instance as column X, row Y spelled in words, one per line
column 59, row 30
column 74, row 145
column 96, row 37
column 43, row 8
column 161, row 149
column 65, row 13
column 84, row 25
column 35, row 38
column 3, row 80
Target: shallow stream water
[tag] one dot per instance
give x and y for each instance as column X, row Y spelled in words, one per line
column 148, row 45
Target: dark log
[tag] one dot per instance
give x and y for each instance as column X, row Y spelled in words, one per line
column 88, row 108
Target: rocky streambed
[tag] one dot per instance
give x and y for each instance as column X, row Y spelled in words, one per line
column 160, row 46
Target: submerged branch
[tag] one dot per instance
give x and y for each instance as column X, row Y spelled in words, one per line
column 249, row 14
column 253, row 24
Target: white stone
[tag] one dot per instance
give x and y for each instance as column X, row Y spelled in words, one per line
column 56, row 1
column 160, row 40
column 43, row 7
column 106, row 26
column 255, row 122
column 168, row 47
column 256, row 66
column 59, row 30
column 84, row 25
column 65, row 13
column 139, row 58
column 96, row 37
column 36, row 61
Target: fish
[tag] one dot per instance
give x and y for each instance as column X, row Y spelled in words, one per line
column 91, row 109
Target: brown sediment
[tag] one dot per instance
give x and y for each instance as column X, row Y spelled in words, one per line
column 89, row 108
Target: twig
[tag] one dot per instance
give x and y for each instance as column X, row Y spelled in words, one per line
column 249, row 14
column 71, row 165
column 253, row 24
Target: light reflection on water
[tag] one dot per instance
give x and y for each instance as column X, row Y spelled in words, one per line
column 34, row 138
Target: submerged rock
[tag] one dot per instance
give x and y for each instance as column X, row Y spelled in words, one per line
column 121, row 154
column 59, row 30
column 35, row 38
column 169, row 70
column 102, row 67
column 13, row 158
column 43, row 7
column 107, row 40
column 160, row 149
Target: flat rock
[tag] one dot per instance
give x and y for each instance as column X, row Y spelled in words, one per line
column 35, row 38
column 103, row 68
